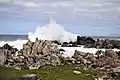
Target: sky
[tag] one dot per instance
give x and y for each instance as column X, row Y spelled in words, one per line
column 84, row 17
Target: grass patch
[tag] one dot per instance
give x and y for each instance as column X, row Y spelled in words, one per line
column 50, row 73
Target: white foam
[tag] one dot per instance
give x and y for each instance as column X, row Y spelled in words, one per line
column 69, row 51
column 17, row 44
column 52, row 31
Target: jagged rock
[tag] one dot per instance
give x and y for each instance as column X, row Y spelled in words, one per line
column 29, row 43
column 6, row 46
column 3, row 58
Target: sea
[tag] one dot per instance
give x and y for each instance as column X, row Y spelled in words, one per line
column 8, row 38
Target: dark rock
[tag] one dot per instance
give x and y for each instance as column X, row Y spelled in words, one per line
column 57, row 42
column 73, row 44
column 90, row 40
column 99, row 53
column 81, row 40
column 6, row 46
column 118, row 53
column 65, row 44
column 62, row 50
column 115, row 43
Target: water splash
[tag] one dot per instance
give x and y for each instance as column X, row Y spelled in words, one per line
column 52, row 31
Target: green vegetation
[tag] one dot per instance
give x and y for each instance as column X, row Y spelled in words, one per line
column 50, row 73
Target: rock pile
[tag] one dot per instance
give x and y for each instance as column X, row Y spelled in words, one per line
column 108, row 61
column 89, row 42
column 32, row 56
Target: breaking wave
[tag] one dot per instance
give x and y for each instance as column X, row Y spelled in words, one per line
column 16, row 44
column 52, row 31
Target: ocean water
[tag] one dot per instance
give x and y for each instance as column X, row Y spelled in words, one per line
column 13, row 37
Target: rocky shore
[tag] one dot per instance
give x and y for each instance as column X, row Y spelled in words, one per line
column 36, row 54
column 89, row 42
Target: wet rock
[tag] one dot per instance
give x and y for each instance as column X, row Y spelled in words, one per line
column 6, row 46
column 81, row 40
column 65, row 44
column 85, row 40
column 56, row 42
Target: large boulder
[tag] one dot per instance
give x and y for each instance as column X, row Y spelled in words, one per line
column 111, row 53
column 81, row 40
column 87, row 41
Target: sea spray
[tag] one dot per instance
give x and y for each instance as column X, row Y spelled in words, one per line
column 16, row 44
column 52, row 31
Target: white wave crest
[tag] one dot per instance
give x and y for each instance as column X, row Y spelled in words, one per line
column 16, row 44
column 52, row 31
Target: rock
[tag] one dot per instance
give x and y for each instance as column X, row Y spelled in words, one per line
column 111, row 53
column 99, row 53
column 107, row 44
column 3, row 58
column 90, row 40
column 6, row 46
column 77, row 72
column 85, row 41
column 81, row 40
column 118, row 53
column 29, row 43
column 117, row 69
column 37, row 45
column 77, row 53
column 62, row 50
column 65, row 44
column 99, row 44
column 73, row 44
column 56, row 42
column 29, row 77
column 115, row 43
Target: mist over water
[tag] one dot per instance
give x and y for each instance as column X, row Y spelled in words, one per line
column 52, row 31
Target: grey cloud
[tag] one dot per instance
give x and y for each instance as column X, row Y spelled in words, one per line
column 90, row 12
